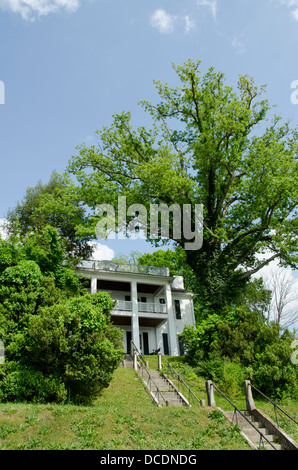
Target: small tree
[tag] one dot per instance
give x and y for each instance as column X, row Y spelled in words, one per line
column 54, row 203
column 58, row 345
column 283, row 309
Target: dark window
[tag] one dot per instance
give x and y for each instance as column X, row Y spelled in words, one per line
column 181, row 349
column 143, row 299
column 162, row 301
column 177, row 309
column 127, row 298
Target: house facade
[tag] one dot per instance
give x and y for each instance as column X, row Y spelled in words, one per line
column 151, row 306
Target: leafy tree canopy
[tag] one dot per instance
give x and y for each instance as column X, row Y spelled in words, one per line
column 56, row 204
column 209, row 145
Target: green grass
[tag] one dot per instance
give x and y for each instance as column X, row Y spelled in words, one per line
column 123, row 418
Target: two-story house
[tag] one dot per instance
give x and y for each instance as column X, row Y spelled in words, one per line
column 151, row 307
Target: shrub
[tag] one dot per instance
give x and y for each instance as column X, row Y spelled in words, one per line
column 227, row 375
column 70, row 346
column 23, row 383
column 227, row 348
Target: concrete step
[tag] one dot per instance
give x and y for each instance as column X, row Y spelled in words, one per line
column 250, row 432
column 160, row 384
column 127, row 362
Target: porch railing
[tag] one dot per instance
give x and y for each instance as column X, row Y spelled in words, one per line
column 143, row 307
column 124, row 267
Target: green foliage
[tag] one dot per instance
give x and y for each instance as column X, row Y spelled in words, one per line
column 68, row 349
column 19, row 290
column 175, row 260
column 25, row 383
column 58, row 345
column 56, row 204
column 212, row 145
column 239, row 346
column 9, row 254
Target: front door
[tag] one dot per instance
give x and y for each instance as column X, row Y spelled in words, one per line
column 128, row 340
column 146, row 343
column 165, row 344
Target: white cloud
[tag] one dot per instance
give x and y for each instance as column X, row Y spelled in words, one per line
column 166, row 23
column 189, row 23
column 163, row 21
column 295, row 14
column 102, row 252
column 31, row 9
column 212, row 4
column 293, row 4
column 238, row 45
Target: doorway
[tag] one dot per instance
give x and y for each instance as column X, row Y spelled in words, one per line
column 128, row 340
column 146, row 343
column 165, row 344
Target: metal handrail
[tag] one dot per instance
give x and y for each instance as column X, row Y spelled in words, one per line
column 180, row 379
column 262, row 436
column 275, row 406
column 142, row 366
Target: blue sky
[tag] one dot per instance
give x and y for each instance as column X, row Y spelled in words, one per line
column 69, row 65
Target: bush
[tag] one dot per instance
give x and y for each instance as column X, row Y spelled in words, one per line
column 23, row 383
column 242, row 345
column 67, row 348
column 227, row 375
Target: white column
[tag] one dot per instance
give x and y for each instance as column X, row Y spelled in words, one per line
column 171, row 323
column 93, row 286
column 135, row 315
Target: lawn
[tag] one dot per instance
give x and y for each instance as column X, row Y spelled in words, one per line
column 122, row 418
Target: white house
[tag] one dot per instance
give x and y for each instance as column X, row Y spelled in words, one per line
column 151, row 307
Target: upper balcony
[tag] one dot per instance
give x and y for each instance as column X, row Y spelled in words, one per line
column 143, row 307
column 111, row 266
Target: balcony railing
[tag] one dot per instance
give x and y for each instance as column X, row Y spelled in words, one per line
column 143, row 307
column 124, row 268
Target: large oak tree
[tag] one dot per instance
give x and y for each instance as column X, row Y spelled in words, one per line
column 212, row 145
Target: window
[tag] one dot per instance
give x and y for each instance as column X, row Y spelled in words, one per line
column 127, row 298
column 162, row 301
column 177, row 309
column 181, row 349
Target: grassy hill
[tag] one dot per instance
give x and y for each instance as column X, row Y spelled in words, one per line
column 123, row 418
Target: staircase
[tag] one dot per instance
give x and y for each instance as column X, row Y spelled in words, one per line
column 127, row 362
column 256, row 440
column 161, row 389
